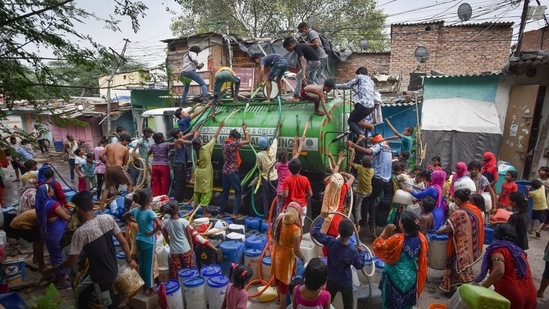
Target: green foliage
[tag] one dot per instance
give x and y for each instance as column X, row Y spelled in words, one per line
column 342, row 21
column 50, row 300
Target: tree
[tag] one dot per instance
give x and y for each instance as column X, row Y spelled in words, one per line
column 31, row 26
column 342, row 21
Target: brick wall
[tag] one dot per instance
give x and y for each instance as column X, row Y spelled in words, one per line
column 462, row 49
column 536, row 40
column 374, row 62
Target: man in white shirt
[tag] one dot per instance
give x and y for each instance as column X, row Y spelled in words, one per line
column 189, row 74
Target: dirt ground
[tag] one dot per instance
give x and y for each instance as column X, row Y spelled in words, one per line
column 430, row 295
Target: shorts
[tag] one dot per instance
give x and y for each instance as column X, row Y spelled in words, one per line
column 31, row 235
column 278, row 69
column 221, row 78
column 540, row 215
column 116, row 175
column 282, row 287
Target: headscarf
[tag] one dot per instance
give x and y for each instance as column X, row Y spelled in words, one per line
column 30, row 184
column 520, row 263
column 490, row 165
column 291, row 215
column 330, row 200
column 43, row 205
column 28, row 195
column 461, row 170
column 41, row 178
column 377, row 139
column 437, row 181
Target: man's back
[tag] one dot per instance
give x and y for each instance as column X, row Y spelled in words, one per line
column 116, row 154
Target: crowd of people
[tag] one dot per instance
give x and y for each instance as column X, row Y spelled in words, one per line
column 453, row 202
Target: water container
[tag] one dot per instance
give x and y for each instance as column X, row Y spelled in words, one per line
column 210, row 270
column 174, row 294
column 266, row 268
column 195, row 294
column 437, row 252
column 253, row 223
column 256, row 242
column 236, row 236
column 251, row 259
column 465, row 182
column 379, row 270
column 163, row 256
column 368, row 260
column 237, row 228
column 299, row 268
column 503, row 168
column 220, row 236
column 229, row 220
column 69, row 195
column 233, row 252
column 487, row 201
column 402, row 197
column 522, row 189
column 488, row 235
column 264, row 226
column 116, row 244
column 199, row 221
column 354, row 276
column 309, row 249
column 58, row 145
column 3, row 238
column 186, row 273
column 206, row 255
column 121, row 258
column 215, row 290
column 477, row 296
column 239, row 220
column 415, row 208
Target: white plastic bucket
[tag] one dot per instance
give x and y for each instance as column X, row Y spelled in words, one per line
column 437, row 251
column 237, row 228
column 266, row 268
column 465, row 183
column 195, row 294
column 163, row 256
column 215, row 290
column 487, row 201
column 199, row 221
column 173, row 294
column 186, row 273
column 402, row 197
column 251, row 259
column 236, row 236
column 308, row 248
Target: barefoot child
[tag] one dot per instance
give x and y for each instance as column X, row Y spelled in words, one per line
column 537, row 193
column 179, row 239
column 509, row 186
column 426, row 220
column 316, row 94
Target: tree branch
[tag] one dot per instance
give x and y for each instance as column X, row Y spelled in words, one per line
column 20, row 17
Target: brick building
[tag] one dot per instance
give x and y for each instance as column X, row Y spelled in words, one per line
column 453, row 49
column 536, row 39
column 376, row 62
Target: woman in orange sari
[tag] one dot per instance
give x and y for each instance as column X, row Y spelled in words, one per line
column 285, row 248
column 405, row 258
column 465, row 227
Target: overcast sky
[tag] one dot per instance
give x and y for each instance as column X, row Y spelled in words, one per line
column 145, row 45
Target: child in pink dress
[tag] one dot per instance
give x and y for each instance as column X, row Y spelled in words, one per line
column 311, row 295
column 236, row 296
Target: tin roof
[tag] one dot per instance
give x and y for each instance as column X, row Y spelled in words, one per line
column 461, row 24
column 495, row 73
column 528, row 60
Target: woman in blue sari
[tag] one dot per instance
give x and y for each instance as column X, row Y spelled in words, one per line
column 52, row 219
column 434, row 184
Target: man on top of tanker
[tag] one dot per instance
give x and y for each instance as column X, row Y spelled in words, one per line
column 277, row 66
column 317, row 95
column 224, row 75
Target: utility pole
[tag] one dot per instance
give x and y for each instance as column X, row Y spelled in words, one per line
column 521, row 29
column 119, row 63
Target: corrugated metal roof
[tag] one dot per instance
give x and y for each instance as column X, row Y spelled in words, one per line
column 531, row 61
column 497, row 73
column 419, row 23
column 466, row 24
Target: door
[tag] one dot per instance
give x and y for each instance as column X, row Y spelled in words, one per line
column 518, row 125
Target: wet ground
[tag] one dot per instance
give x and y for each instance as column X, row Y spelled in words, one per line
column 431, row 293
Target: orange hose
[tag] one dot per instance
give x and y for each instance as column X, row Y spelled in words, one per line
column 267, row 247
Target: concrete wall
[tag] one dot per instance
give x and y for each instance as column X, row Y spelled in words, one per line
column 466, row 49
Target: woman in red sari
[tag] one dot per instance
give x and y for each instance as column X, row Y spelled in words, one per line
column 509, row 269
column 465, row 227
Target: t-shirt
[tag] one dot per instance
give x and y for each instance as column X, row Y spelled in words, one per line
column 95, row 238
column 25, row 220
column 306, row 51
column 143, row 148
column 100, row 167
column 480, row 181
column 519, row 222
column 160, row 153
column 283, row 172
column 144, row 219
column 297, row 187
column 270, row 59
column 266, row 160
column 382, row 161
column 184, row 124
column 188, row 64
column 311, row 36
column 179, row 155
column 539, row 198
column 405, row 144
column 229, row 149
column 236, row 298
column 506, row 189
column 73, row 145
column 179, row 243
column 78, row 161
column 319, row 302
column 365, row 175
column 89, row 170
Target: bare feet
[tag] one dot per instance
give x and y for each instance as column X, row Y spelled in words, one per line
column 294, row 99
column 266, row 101
column 320, row 113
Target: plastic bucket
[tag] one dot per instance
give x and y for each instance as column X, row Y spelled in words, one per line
column 402, row 197
column 195, row 293
column 121, row 258
column 438, row 306
column 379, row 270
column 251, row 259
column 368, row 260
column 488, row 235
column 215, row 290
column 186, row 273
column 58, row 145
column 174, row 294
column 233, row 252
column 437, row 252
column 256, row 242
column 210, row 270
column 253, row 223
column 236, row 236
column 266, row 268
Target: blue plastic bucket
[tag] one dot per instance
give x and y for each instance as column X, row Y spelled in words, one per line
column 233, row 252
column 256, row 242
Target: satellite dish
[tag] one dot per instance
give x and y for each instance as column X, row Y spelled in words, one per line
column 421, row 54
column 465, row 11
column 364, row 44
